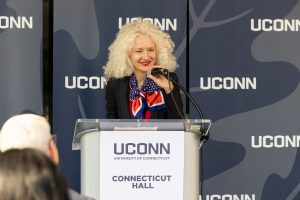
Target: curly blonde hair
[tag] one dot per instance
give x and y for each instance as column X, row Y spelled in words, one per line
column 119, row 64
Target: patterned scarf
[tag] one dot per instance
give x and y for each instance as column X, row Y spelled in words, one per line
column 150, row 97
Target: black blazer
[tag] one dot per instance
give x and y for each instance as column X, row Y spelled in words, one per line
column 117, row 101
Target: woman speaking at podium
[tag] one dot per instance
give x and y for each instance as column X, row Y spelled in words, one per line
column 132, row 91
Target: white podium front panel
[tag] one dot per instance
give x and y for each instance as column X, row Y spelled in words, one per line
column 140, row 157
column 141, row 165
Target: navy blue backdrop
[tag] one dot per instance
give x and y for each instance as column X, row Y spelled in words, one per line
column 81, row 38
column 21, row 55
column 243, row 72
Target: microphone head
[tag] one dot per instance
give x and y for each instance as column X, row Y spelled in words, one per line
column 157, row 71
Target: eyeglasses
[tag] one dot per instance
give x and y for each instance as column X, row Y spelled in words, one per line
column 54, row 138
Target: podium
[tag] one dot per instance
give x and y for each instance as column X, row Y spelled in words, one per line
column 140, row 159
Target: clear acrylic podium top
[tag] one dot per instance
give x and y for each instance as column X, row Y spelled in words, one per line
column 85, row 126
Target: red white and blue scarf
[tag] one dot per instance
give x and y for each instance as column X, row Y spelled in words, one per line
column 150, row 97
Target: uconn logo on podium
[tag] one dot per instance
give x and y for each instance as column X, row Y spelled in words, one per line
column 142, row 148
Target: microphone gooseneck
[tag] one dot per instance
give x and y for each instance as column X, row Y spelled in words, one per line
column 204, row 135
column 189, row 96
column 165, row 72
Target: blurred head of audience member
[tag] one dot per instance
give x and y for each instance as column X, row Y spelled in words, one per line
column 31, row 131
column 28, row 131
column 29, row 174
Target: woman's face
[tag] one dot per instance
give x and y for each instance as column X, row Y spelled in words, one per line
column 143, row 54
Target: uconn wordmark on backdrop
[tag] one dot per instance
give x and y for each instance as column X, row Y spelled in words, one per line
column 278, row 25
column 84, row 82
column 277, row 141
column 228, row 83
column 20, row 22
column 163, row 23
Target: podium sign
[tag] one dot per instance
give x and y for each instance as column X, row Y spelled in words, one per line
column 141, row 165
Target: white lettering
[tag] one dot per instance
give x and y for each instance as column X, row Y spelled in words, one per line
column 163, row 23
column 278, row 141
column 228, row 197
column 16, row 22
column 228, row 83
column 83, row 82
column 278, row 25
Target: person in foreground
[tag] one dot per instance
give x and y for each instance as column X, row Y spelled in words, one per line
column 31, row 131
column 132, row 94
column 29, row 174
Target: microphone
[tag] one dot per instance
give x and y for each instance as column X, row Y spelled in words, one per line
column 204, row 134
column 165, row 72
column 157, row 71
